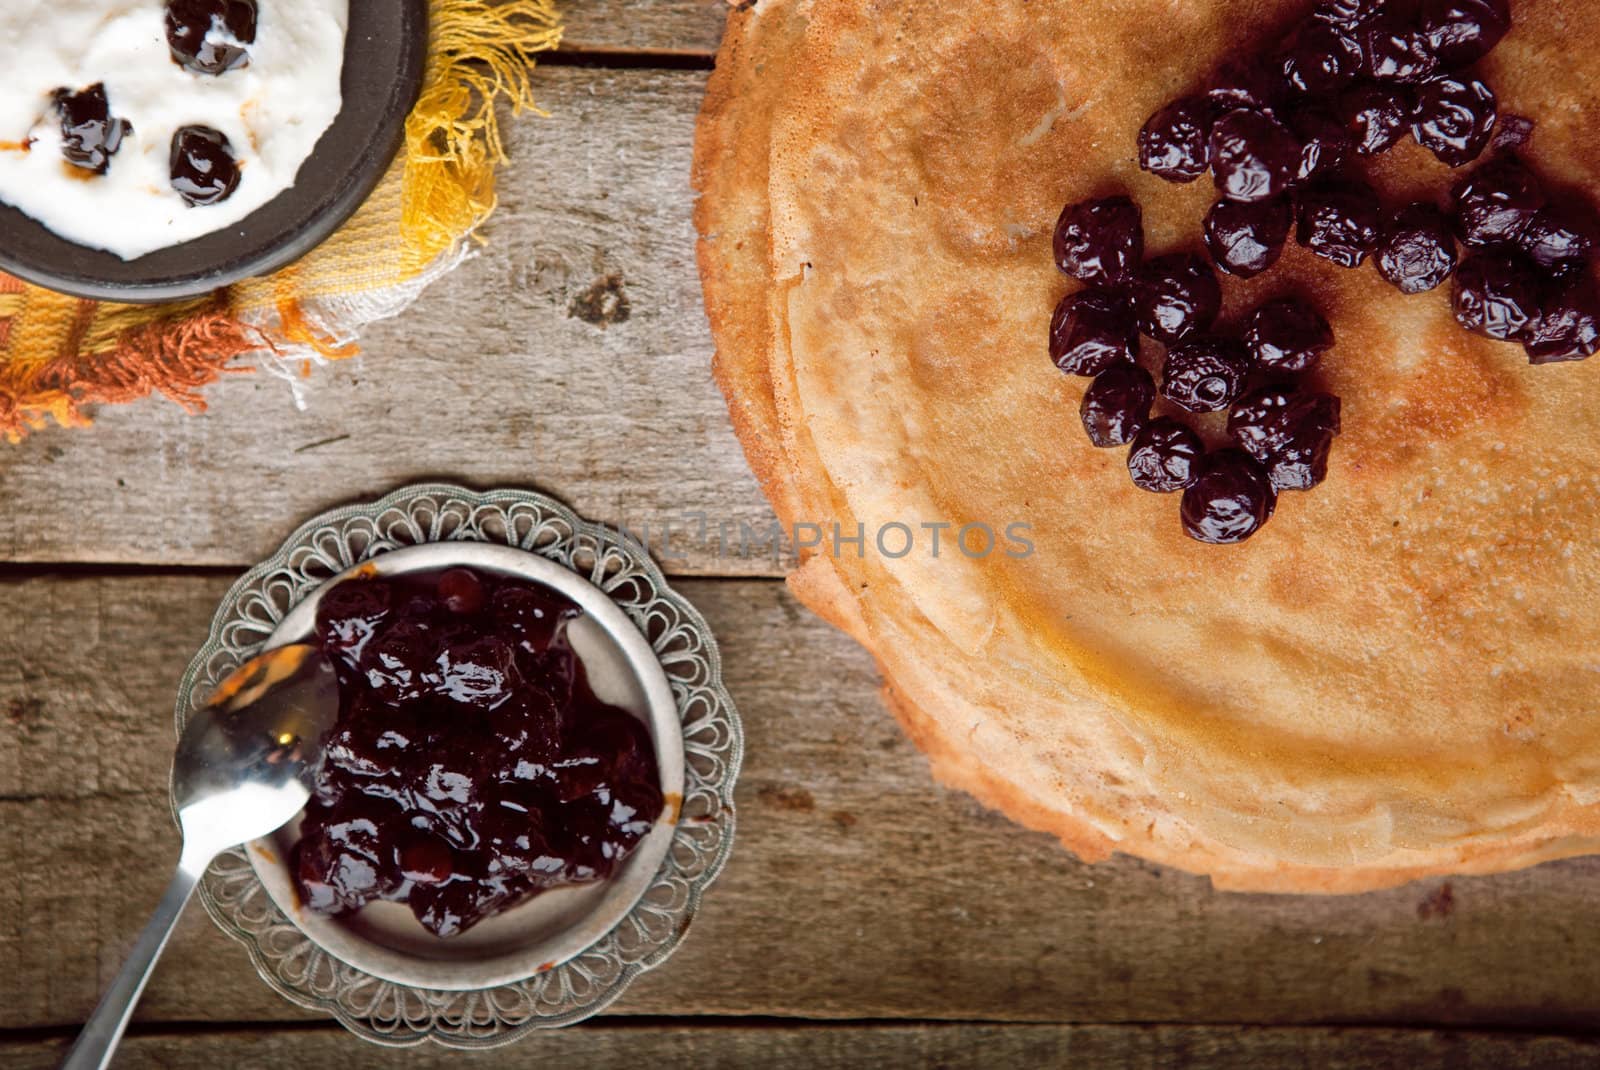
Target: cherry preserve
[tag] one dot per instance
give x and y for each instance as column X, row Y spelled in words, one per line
column 471, row 766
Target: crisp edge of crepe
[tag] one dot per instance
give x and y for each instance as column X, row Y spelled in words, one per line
column 744, row 298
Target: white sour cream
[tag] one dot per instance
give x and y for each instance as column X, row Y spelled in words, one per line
column 272, row 111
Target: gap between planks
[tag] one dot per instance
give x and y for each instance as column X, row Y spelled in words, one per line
column 622, row 1021
column 606, row 1044
column 660, row 59
column 858, row 888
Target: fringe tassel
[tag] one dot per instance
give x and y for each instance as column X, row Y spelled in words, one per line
column 479, row 55
column 173, row 358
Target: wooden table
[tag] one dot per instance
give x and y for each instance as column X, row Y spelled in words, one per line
column 868, row 917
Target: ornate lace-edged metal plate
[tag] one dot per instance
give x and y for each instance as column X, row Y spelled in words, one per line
column 395, row 1014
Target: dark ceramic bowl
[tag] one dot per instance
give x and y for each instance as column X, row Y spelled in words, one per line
column 384, row 55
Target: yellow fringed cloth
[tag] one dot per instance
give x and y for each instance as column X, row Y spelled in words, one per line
column 59, row 355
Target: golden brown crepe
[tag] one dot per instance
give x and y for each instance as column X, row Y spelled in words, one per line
column 1398, row 676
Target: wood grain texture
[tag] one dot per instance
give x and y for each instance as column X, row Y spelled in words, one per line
column 605, row 1046
column 858, row 888
column 572, row 355
column 649, row 25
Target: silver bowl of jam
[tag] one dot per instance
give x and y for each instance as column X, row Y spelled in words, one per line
column 530, row 785
column 462, row 902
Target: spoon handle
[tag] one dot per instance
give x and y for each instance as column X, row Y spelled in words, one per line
column 98, row 1041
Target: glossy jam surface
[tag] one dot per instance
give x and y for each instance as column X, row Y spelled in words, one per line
column 204, row 170
column 472, row 766
column 90, row 134
column 211, row 36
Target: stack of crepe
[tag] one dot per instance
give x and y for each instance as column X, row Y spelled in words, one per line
column 1398, row 676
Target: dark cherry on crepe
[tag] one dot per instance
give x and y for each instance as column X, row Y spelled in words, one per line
column 1253, row 156
column 1568, row 327
column 1289, row 430
column 1497, row 294
column 1496, row 202
column 1453, row 118
column 1091, row 330
column 1175, row 296
column 1287, row 335
column 1282, row 133
column 1417, row 250
column 1117, row 405
column 1377, row 117
column 1205, row 374
column 1165, row 456
column 1246, row 238
column 1100, row 242
column 1229, row 500
column 1339, row 221
column 1176, row 141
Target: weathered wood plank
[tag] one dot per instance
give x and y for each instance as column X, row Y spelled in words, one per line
column 839, row 1047
column 675, row 25
column 858, row 888
column 505, row 373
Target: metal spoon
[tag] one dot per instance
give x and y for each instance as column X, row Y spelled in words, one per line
column 244, row 768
